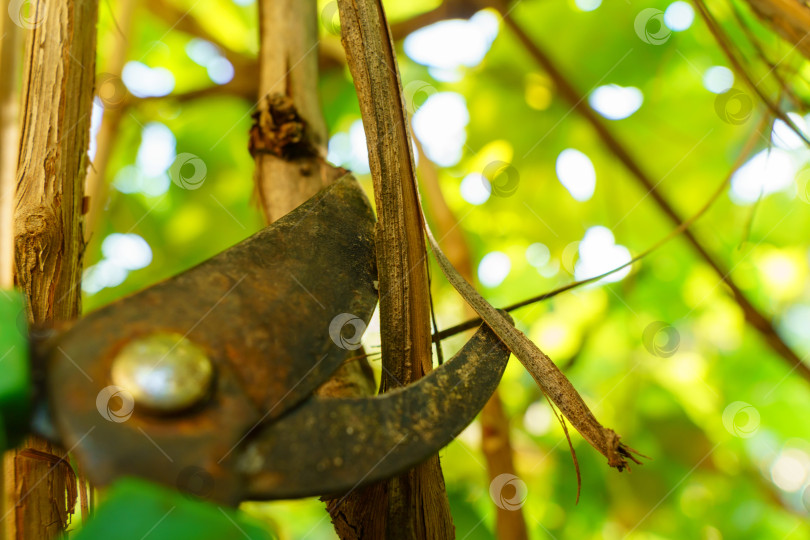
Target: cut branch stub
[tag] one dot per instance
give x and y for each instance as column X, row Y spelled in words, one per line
column 279, row 130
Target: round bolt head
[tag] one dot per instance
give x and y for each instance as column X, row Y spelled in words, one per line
column 164, row 372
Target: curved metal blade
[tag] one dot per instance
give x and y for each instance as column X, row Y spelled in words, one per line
column 331, row 446
column 261, row 311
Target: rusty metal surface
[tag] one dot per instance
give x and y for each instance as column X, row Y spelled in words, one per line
column 261, row 310
column 330, row 446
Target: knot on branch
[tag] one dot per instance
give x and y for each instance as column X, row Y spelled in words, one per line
column 279, row 130
column 37, row 236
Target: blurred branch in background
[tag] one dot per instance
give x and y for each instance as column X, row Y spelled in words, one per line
column 10, row 45
column 495, row 431
column 110, row 93
column 245, row 83
column 773, row 68
column 448, row 9
column 731, row 53
column 57, row 95
column 744, row 154
column 183, row 20
column 754, row 317
column 788, row 18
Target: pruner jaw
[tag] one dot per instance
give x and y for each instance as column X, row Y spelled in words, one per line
column 331, row 446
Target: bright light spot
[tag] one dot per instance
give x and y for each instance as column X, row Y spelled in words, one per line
column 679, row 16
column 689, row 368
column 789, row 471
column 349, row 149
column 95, row 125
column 494, row 268
column 767, row 172
column 143, row 81
column 538, row 254
column 440, row 126
column 453, row 43
column 783, row 135
column 220, row 70
column 102, row 274
column 208, row 56
column 779, row 268
column 558, row 339
column 718, row 79
column 796, row 320
column 243, row 2
column 202, row 51
column 157, row 151
column 588, row 5
column 122, row 253
column 475, row 189
column 538, row 418
column 783, row 271
column 446, row 75
column 371, row 337
column 576, row 173
column 129, row 251
column 615, row 102
column 598, row 253
column 156, row 154
column 538, row 91
column 550, row 269
column 359, row 148
column 130, row 179
column 340, row 149
column 471, row 436
column 156, row 185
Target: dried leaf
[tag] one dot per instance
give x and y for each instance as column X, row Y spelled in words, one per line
column 550, row 379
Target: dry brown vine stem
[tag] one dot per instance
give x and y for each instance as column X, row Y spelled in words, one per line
column 415, row 504
column 290, row 170
column 567, row 90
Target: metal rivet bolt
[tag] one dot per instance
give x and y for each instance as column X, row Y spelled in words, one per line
column 165, row 372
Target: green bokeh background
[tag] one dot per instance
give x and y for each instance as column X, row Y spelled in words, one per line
column 704, row 480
